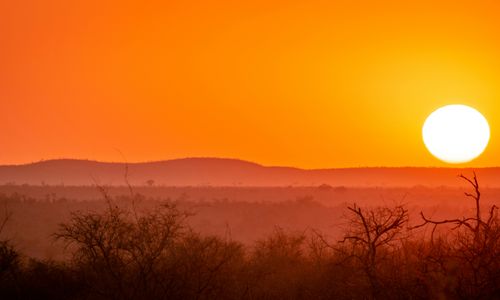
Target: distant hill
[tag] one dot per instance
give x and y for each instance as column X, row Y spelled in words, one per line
column 231, row 172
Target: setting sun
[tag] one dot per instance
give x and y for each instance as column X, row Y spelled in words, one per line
column 456, row 133
column 263, row 149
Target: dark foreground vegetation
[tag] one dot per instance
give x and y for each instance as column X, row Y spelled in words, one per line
column 137, row 253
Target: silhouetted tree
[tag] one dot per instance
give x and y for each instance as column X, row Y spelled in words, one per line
column 474, row 250
column 122, row 252
column 368, row 232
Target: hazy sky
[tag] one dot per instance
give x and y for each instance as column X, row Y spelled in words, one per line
column 300, row 83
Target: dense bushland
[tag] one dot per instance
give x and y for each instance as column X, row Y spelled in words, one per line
column 137, row 252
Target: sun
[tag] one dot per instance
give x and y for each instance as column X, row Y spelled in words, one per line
column 456, row 133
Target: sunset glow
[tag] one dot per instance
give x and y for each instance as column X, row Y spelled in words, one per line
column 310, row 84
column 263, row 149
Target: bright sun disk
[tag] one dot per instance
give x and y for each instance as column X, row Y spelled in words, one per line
column 456, row 133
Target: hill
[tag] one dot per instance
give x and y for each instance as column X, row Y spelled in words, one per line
column 230, row 172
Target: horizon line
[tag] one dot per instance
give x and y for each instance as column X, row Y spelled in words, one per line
column 451, row 166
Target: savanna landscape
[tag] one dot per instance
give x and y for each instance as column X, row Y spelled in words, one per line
column 247, row 242
column 249, row 150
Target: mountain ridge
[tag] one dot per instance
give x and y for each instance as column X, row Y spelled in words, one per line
column 203, row 171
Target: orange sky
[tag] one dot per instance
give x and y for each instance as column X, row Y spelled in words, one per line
column 301, row 83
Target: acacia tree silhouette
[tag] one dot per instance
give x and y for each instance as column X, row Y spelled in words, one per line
column 371, row 230
column 475, row 224
column 476, row 247
column 119, row 249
